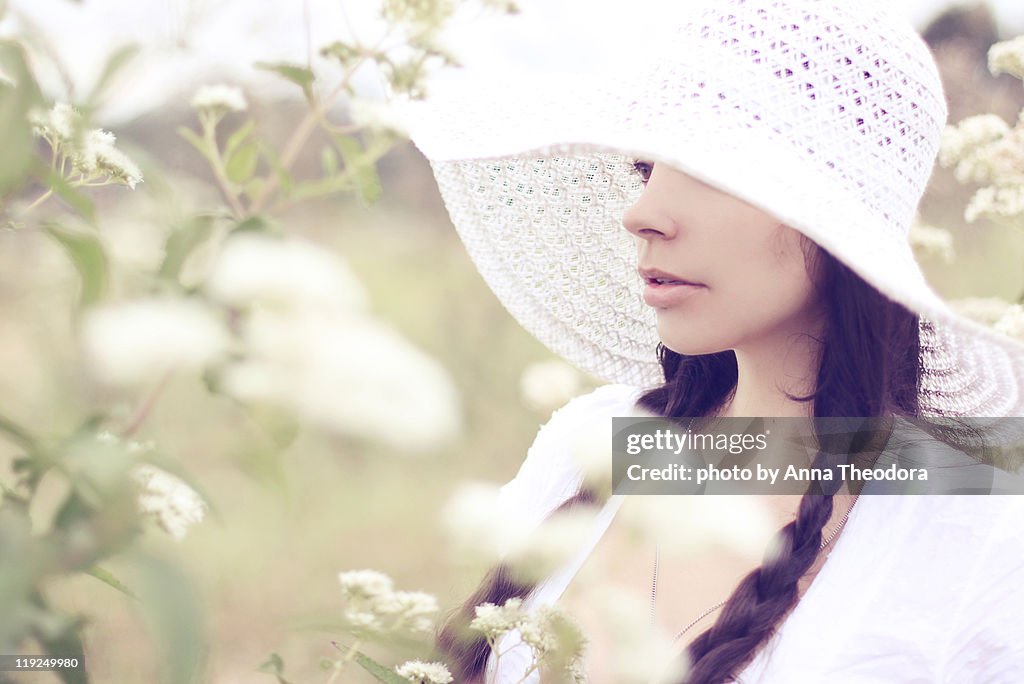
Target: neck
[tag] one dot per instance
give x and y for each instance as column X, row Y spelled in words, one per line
column 767, row 369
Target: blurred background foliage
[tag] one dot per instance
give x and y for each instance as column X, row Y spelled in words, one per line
column 290, row 505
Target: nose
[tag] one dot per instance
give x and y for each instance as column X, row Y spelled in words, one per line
column 648, row 217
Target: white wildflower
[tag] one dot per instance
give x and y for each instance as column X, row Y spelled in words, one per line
column 173, row 503
column 362, row 622
column 1000, row 162
column 284, row 272
column 590, row 448
column 352, row 376
column 549, row 384
column 218, row 100
column 410, row 610
column 694, row 522
column 495, row 621
column 424, row 673
column 553, row 543
column 364, row 584
column 995, row 202
column 1007, row 57
column 373, row 606
column 97, row 155
column 134, row 342
column 374, row 114
column 107, row 437
column 59, row 125
column 985, row 310
column 480, row 526
column 556, row 638
column 1012, row 322
column 932, row 241
column 640, row 654
column 971, row 133
column 535, row 630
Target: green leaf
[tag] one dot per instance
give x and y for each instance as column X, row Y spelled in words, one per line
column 17, row 433
column 322, row 187
column 297, row 74
column 360, row 167
column 16, row 139
column 329, row 161
column 72, row 510
column 197, row 142
column 259, row 224
column 238, row 137
column 115, row 62
column 106, row 577
column 172, row 609
column 74, row 199
column 86, row 252
column 274, row 665
column 182, row 241
column 242, row 164
column 380, row 673
column 284, row 177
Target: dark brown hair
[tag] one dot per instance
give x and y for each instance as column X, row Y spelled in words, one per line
column 869, row 367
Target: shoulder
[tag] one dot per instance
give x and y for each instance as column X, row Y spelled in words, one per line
column 549, row 475
column 604, row 402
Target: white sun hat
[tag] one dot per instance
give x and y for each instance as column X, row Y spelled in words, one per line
column 825, row 113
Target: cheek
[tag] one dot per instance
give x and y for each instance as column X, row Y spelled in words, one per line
column 768, row 286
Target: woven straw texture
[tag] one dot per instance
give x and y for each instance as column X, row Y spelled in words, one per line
column 827, row 115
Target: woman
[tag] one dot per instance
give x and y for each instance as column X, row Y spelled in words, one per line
column 772, row 155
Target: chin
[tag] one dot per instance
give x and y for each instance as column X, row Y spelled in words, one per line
column 692, row 347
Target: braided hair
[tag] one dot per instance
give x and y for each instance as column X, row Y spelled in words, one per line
column 869, row 367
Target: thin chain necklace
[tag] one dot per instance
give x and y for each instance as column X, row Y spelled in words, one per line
column 654, row 580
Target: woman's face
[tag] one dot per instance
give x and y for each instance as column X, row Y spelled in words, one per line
column 753, row 280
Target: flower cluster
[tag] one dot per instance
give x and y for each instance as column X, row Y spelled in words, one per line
column 1012, row 322
column 556, row 640
column 481, row 528
column 986, row 151
column 173, row 504
column 91, row 153
column 312, row 348
column 420, row 672
column 643, row 653
column 128, row 344
column 546, row 385
column 217, row 100
column 374, row 608
column 1007, row 57
column 932, row 241
column 1002, row 316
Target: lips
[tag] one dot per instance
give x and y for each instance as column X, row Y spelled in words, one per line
column 654, row 276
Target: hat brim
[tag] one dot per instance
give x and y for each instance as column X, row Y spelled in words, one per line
column 539, row 208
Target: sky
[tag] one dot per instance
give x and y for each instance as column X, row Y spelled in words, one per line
column 187, row 43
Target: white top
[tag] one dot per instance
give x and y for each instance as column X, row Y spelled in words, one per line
column 918, row 588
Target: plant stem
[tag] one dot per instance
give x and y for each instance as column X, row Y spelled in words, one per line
column 147, row 405
column 348, row 657
column 305, row 128
column 219, row 174
column 42, row 198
